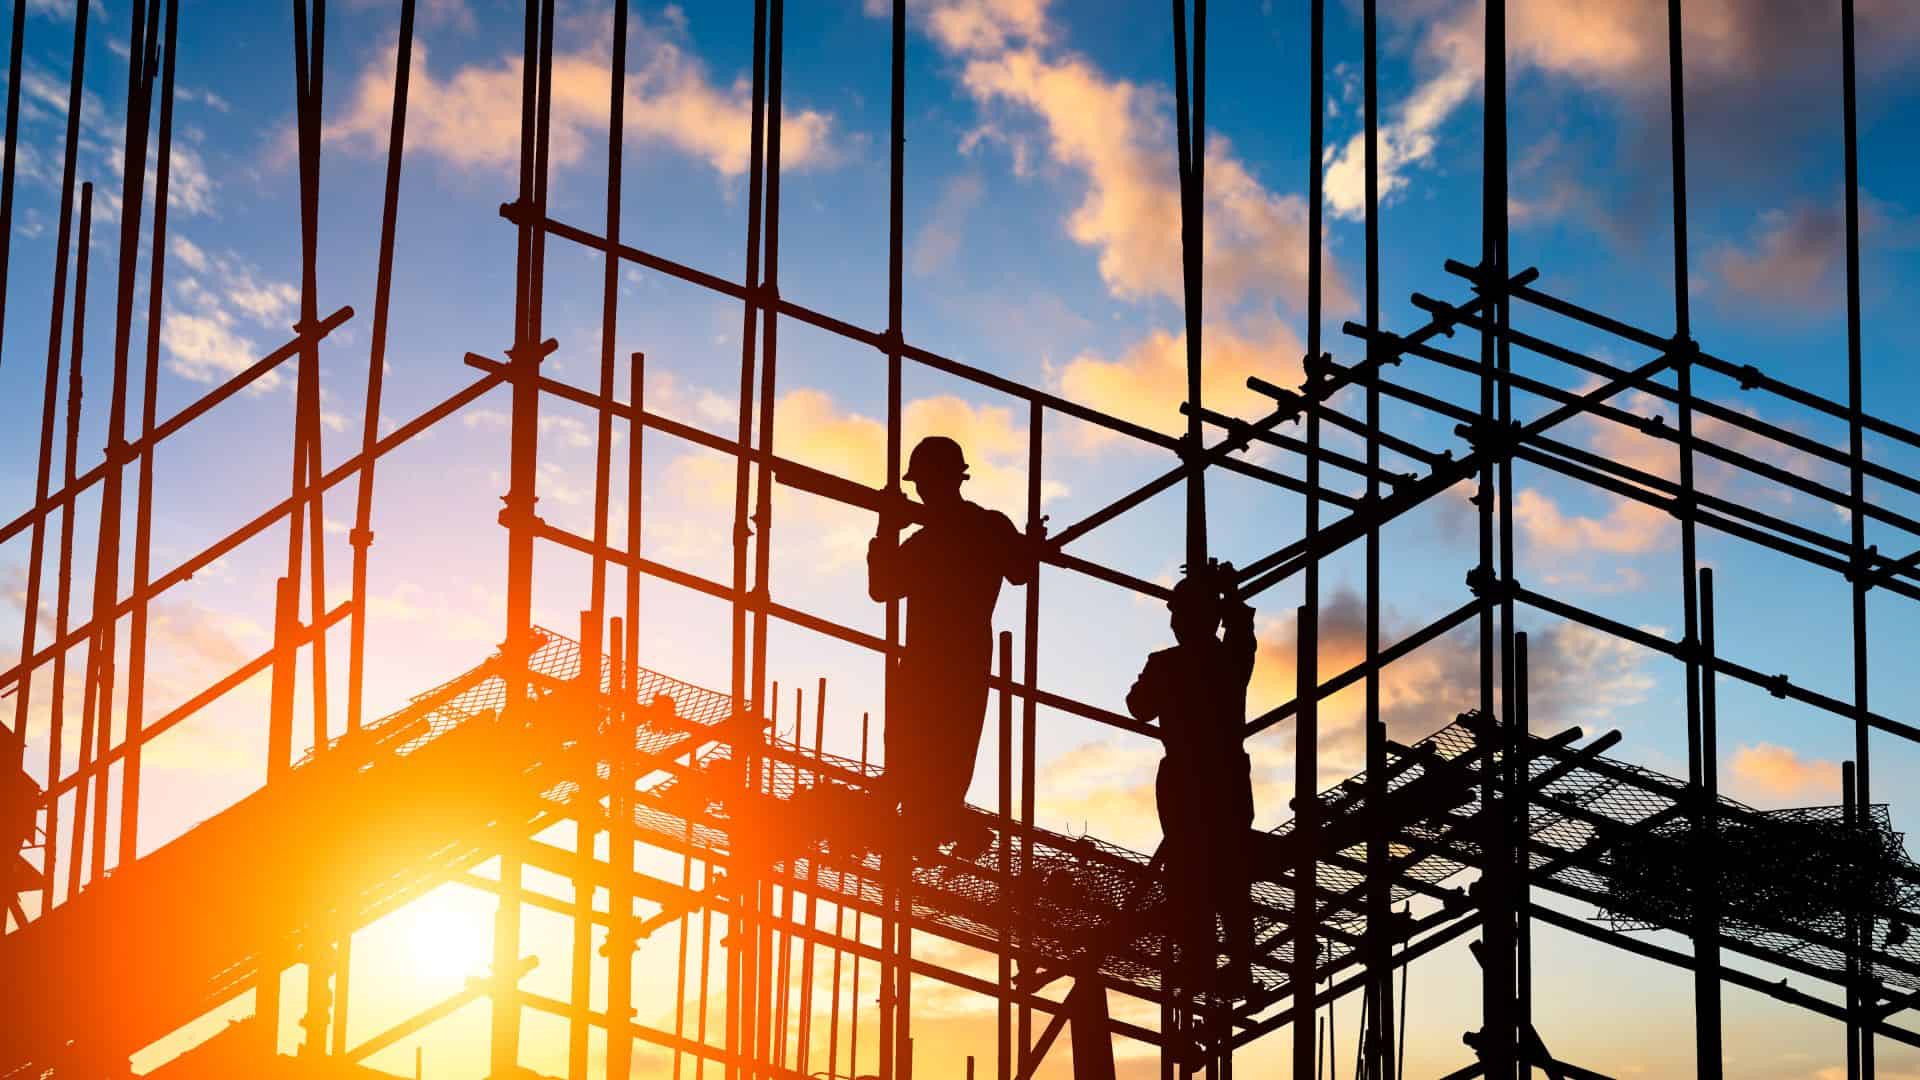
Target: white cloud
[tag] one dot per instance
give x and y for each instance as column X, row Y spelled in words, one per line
column 205, row 348
column 471, row 117
column 208, row 306
column 1117, row 136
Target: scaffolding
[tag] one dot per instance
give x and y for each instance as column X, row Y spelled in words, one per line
column 773, row 837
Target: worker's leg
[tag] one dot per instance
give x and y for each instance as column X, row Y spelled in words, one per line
column 1183, row 855
column 1234, row 884
column 953, row 749
column 904, row 738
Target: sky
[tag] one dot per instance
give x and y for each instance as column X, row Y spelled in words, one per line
column 1041, row 244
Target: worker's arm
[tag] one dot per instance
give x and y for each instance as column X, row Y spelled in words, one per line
column 886, row 569
column 1237, row 620
column 1142, row 703
column 1022, row 551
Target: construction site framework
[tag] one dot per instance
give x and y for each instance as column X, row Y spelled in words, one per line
column 758, row 900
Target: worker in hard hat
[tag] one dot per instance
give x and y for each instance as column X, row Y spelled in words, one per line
column 1197, row 692
column 949, row 573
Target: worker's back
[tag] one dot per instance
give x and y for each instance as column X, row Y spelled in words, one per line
column 949, row 572
column 1198, row 691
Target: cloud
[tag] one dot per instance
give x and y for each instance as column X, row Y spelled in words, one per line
column 1792, row 259
column 939, row 239
column 974, row 25
column 1118, row 136
column 205, row 348
column 189, row 187
column 1147, row 383
column 814, row 429
column 1629, row 528
column 1408, row 136
column 1779, row 60
column 208, row 308
column 1766, row 773
column 471, row 117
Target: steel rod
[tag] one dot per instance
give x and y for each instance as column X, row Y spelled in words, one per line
column 17, row 737
column 143, row 499
column 361, row 536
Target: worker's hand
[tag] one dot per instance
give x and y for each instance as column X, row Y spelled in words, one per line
column 1037, row 539
column 1233, row 609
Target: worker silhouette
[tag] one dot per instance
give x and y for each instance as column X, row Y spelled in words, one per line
column 1197, row 691
column 949, row 573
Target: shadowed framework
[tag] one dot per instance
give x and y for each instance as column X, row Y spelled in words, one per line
column 1359, row 883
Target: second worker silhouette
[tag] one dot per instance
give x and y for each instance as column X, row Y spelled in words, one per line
column 949, row 573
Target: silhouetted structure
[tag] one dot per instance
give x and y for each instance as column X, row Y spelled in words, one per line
column 112, row 950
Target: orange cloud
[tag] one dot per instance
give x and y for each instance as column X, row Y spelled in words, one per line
column 1764, row 772
column 813, row 429
column 1147, row 383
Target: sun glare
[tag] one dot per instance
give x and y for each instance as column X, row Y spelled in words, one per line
column 445, row 935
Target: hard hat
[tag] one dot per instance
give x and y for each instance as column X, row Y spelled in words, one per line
column 1194, row 593
column 1202, row 590
column 936, row 456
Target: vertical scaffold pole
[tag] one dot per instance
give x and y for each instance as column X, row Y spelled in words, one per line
column 361, row 537
column 1497, row 1034
column 1190, row 130
column 143, row 498
column 1029, row 706
column 102, row 654
column 739, row 997
column 1862, row 1035
column 14, row 79
column 63, row 603
column 620, row 840
column 30, row 618
column 1306, row 767
column 768, row 303
column 1307, row 722
column 896, row 947
column 804, row 1036
column 523, row 469
column 609, row 327
column 1706, row 971
column 1003, row 1008
column 1378, row 1047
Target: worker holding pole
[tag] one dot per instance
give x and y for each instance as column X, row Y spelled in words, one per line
column 949, row 573
column 1197, row 692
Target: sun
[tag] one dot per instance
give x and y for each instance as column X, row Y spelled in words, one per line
column 447, row 934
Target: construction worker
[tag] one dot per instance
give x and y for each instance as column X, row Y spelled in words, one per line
column 949, row 572
column 1197, row 692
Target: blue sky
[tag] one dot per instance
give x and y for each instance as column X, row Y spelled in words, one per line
column 1041, row 244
